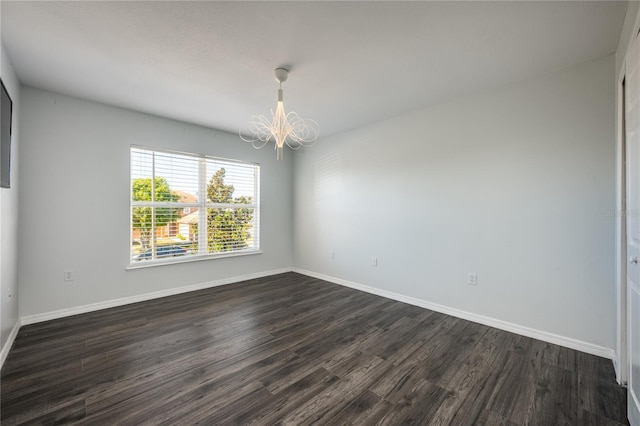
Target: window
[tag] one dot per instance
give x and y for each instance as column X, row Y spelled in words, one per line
column 197, row 207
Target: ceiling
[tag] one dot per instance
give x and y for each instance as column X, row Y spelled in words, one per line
column 352, row 63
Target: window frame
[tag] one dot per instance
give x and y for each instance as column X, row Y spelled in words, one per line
column 202, row 205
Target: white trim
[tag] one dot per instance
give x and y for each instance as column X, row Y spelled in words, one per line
column 186, row 259
column 32, row 319
column 619, row 364
column 9, row 343
column 192, row 154
column 633, row 400
column 199, row 205
column 568, row 342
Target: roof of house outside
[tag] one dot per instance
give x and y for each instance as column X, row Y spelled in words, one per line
column 185, row 197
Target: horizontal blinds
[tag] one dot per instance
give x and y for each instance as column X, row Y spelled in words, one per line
column 239, row 182
column 191, row 205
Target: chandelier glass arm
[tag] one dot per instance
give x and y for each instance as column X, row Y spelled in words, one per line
column 283, row 127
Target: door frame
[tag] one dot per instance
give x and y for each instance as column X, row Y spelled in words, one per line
column 620, row 361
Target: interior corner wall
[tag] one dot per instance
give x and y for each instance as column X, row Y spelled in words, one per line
column 9, row 215
column 515, row 184
column 626, row 35
column 74, row 204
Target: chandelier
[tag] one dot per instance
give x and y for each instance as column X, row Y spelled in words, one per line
column 283, row 127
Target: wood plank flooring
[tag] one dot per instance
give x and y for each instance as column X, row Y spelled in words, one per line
column 294, row 350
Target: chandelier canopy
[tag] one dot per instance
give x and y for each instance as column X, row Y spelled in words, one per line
column 283, row 127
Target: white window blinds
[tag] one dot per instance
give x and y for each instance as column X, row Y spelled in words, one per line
column 197, row 206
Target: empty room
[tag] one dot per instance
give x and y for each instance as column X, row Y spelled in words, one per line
column 318, row 212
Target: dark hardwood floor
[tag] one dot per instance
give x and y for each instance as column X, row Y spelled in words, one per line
column 290, row 349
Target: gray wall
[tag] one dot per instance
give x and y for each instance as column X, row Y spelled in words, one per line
column 74, row 205
column 513, row 184
column 9, row 215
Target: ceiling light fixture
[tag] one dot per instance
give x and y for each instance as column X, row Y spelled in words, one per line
column 283, row 127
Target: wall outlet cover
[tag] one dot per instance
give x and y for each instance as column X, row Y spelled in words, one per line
column 473, row 278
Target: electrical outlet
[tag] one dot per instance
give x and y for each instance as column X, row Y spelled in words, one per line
column 68, row 275
column 473, row 278
column 374, row 261
column 10, row 293
column 333, row 255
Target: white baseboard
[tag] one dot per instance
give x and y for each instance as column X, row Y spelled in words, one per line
column 616, row 368
column 481, row 319
column 9, row 343
column 32, row 319
column 492, row 322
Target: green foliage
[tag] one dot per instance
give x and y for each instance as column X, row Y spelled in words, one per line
column 217, row 191
column 142, row 216
column 228, row 229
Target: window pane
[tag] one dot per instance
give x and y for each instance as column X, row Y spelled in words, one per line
column 176, row 178
column 166, row 222
column 230, row 229
column 141, row 229
column 229, row 182
column 186, row 231
column 141, row 173
column 174, row 236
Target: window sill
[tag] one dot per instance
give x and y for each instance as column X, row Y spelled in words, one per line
column 188, row 259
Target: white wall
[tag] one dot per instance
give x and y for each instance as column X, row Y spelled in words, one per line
column 513, row 184
column 9, row 217
column 74, row 205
